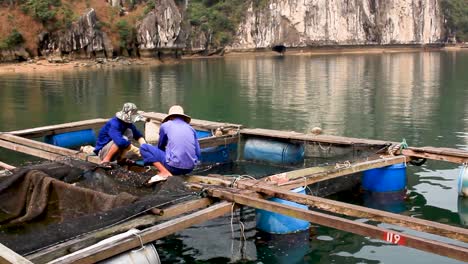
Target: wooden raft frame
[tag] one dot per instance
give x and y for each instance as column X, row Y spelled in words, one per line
column 19, row 141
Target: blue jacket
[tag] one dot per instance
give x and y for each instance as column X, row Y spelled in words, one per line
column 179, row 140
column 114, row 130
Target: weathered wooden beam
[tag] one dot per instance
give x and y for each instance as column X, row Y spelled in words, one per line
column 50, row 148
column 89, row 239
column 30, row 151
column 104, row 251
column 196, row 123
column 291, row 135
column 218, row 141
column 60, row 128
column 422, row 225
column 6, row 166
column 454, row 157
column 436, row 247
column 8, row 256
column 345, row 170
column 328, row 205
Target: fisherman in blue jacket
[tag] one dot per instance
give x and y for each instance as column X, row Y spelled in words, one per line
column 178, row 149
column 114, row 139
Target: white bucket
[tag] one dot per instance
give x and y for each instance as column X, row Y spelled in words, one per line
column 144, row 255
column 152, row 132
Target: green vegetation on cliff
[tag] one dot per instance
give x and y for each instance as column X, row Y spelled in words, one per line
column 14, row 39
column 218, row 19
column 456, row 15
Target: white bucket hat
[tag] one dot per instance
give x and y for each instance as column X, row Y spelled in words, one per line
column 129, row 113
column 177, row 110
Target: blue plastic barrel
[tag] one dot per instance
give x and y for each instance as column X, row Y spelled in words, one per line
column 388, row 201
column 203, row 134
column 463, row 210
column 463, row 181
column 273, row 151
column 275, row 223
column 72, row 139
column 219, row 154
column 387, row 179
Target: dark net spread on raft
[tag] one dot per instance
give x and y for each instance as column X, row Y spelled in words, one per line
column 38, row 208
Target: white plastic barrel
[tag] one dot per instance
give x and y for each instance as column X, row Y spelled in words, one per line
column 144, row 255
column 152, row 132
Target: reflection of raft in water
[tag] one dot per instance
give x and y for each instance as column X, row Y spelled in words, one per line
column 325, row 164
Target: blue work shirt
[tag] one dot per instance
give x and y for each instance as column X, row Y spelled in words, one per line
column 114, row 130
column 179, row 140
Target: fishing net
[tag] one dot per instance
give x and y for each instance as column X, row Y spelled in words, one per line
column 38, row 208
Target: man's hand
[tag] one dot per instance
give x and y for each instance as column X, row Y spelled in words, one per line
column 142, row 141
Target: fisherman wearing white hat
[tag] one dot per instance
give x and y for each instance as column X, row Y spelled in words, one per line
column 114, row 139
column 178, row 149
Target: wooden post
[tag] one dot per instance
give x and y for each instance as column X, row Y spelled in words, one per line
column 440, row 248
column 104, row 251
column 8, row 256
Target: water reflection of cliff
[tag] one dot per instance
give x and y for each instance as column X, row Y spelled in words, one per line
column 366, row 95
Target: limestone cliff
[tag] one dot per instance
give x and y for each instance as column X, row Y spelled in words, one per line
column 83, row 39
column 301, row 23
column 160, row 29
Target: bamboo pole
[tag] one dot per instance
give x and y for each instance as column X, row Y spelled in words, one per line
column 436, row 247
column 104, row 251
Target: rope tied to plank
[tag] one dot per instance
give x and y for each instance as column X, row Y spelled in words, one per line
column 343, row 165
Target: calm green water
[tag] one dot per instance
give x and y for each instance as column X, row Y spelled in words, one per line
column 419, row 96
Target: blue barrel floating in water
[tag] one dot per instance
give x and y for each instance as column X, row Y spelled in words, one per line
column 72, row 139
column 463, row 210
column 388, row 201
column 387, row 179
column 275, row 223
column 463, row 181
column 273, row 151
column 219, row 154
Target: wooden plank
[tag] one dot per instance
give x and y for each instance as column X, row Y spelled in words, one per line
column 338, row 172
column 89, row 239
column 30, row 151
column 218, row 141
column 196, row 123
column 6, row 166
column 8, row 256
column 60, row 128
column 457, row 233
column 436, row 247
column 50, row 148
column 443, row 156
column 93, row 255
column 265, row 188
column 310, row 137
